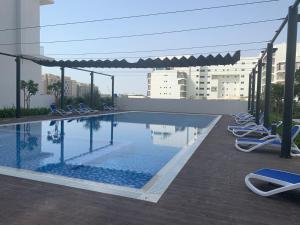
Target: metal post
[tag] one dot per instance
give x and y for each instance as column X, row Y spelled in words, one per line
column 18, row 146
column 113, row 91
column 18, row 87
column 91, row 135
column 253, row 92
column 249, row 93
column 258, row 91
column 289, row 81
column 92, row 89
column 62, row 89
column 268, row 85
column 62, row 142
column 112, row 129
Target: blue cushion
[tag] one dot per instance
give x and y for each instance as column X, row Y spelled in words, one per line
column 280, row 175
column 257, row 141
column 250, row 129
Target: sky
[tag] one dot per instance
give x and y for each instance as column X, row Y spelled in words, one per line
column 134, row 81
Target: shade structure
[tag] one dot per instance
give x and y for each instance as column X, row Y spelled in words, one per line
column 143, row 63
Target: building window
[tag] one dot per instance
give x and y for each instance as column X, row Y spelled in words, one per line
column 201, row 82
column 214, row 89
column 202, row 70
column 197, row 88
column 202, row 76
column 197, row 75
column 201, row 88
column 242, row 76
column 197, row 82
column 243, row 69
column 242, row 89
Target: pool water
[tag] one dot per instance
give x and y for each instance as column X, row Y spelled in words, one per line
column 124, row 149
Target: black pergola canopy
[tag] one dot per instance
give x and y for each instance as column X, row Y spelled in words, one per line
column 144, row 63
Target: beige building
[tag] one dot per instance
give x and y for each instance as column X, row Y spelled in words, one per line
column 72, row 87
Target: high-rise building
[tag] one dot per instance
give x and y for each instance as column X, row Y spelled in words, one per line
column 15, row 14
column 212, row 82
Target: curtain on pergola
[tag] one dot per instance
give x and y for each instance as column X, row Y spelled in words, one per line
column 209, row 60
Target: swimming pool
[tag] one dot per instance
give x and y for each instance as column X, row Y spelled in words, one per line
column 132, row 154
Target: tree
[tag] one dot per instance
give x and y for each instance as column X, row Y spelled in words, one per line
column 297, row 84
column 32, row 89
column 277, row 95
column 55, row 89
column 29, row 89
column 23, row 88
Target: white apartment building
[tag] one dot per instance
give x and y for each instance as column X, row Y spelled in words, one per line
column 213, row 82
column 15, row 14
column 72, row 88
column 278, row 64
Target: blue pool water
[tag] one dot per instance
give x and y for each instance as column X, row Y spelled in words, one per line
column 125, row 149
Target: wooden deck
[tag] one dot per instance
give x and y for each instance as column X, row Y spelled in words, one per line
column 209, row 190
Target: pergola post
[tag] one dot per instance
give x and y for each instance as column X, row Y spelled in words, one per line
column 268, row 85
column 62, row 142
column 18, row 87
column 253, row 92
column 92, row 89
column 249, row 93
column 62, row 88
column 289, row 81
column 113, row 90
column 258, row 91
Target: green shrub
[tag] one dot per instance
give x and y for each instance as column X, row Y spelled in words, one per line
column 11, row 112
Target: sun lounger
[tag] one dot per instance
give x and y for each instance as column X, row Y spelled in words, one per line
column 269, row 141
column 285, row 181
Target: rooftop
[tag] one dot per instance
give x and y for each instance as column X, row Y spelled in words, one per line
column 210, row 189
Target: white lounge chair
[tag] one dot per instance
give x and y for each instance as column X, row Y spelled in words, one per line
column 244, row 119
column 249, row 125
column 287, row 181
column 273, row 141
column 254, row 130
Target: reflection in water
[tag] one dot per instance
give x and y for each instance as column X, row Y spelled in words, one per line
column 171, row 135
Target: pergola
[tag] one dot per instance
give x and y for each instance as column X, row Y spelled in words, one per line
column 291, row 20
column 141, row 63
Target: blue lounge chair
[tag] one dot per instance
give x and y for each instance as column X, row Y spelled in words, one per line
column 108, row 107
column 84, row 107
column 55, row 111
column 287, row 181
column 250, row 124
column 245, row 119
column 258, row 130
column 74, row 110
column 273, row 141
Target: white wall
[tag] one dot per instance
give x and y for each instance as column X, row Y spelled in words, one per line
column 183, row 105
column 18, row 13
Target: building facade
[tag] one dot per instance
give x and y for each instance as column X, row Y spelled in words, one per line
column 72, row 88
column 15, row 14
column 278, row 64
column 213, row 82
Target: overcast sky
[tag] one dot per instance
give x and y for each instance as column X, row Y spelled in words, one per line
column 134, row 81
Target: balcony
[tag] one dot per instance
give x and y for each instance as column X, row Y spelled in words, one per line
column 181, row 75
column 182, row 82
